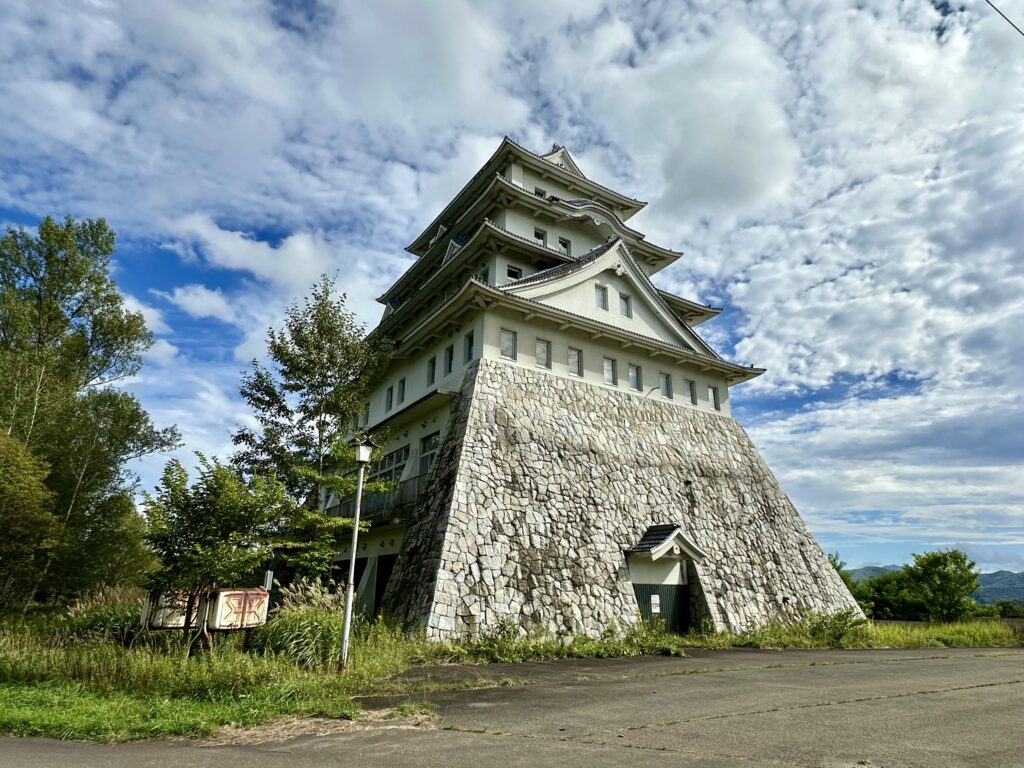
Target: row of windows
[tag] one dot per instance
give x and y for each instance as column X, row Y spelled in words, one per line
column 564, row 243
column 391, row 467
column 601, row 300
column 448, row 357
column 509, row 343
column 395, row 394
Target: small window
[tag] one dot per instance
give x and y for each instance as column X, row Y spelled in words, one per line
column 431, row 370
column 428, row 449
column 449, row 359
column 713, row 398
column 508, row 344
column 625, row 305
column 575, row 362
column 665, row 384
column 636, row 378
column 540, row 236
column 389, row 399
column 366, row 414
column 611, row 372
column 513, row 273
column 540, row 192
column 601, row 296
column 565, row 246
column 542, row 351
column 691, row 390
column 401, row 391
column 469, row 346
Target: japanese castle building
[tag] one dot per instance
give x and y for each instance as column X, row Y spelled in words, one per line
column 559, row 432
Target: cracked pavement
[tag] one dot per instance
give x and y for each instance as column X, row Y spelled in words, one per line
column 715, row 708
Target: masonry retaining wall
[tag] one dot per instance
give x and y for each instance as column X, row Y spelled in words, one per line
column 542, row 483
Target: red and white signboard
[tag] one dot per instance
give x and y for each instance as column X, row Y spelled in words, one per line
column 236, row 609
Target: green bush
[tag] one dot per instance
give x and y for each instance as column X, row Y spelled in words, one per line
column 309, row 636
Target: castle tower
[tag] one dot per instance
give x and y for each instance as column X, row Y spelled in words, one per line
column 559, row 433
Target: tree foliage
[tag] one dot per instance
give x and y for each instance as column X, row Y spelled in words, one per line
column 935, row 587
column 29, row 528
column 322, row 368
column 66, row 340
column 219, row 530
column 943, row 580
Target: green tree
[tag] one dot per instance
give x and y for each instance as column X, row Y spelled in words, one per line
column 1010, row 609
column 29, row 529
column 932, row 588
column 66, row 340
column 942, row 581
column 890, row 596
column 220, row 530
column 323, row 366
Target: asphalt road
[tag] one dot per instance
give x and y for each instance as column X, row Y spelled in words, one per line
column 729, row 708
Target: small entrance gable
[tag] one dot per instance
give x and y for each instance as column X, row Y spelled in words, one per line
column 657, row 570
column 667, row 539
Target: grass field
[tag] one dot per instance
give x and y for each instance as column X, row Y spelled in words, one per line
column 93, row 676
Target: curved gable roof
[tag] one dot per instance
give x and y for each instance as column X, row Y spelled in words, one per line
column 612, row 254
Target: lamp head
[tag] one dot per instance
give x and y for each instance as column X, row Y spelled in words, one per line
column 364, row 449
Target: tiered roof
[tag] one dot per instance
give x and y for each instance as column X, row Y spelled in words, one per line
column 447, row 248
column 567, row 173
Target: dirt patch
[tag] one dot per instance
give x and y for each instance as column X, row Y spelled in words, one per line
column 288, row 728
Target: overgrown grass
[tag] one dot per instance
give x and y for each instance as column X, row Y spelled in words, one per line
column 92, row 675
column 845, row 630
column 960, row 634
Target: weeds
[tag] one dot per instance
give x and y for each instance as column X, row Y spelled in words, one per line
column 91, row 674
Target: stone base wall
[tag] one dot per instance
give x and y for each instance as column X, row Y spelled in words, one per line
column 541, row 485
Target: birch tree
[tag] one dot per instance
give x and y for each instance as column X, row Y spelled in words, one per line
column 66, row 343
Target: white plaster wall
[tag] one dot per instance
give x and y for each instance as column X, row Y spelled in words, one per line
column 582, row 236
column 593, row 354
column 665, row 571
column 580, row 299
column 414, row 370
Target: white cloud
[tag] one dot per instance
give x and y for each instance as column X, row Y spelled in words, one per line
column 844, row 176
column 162, row 353
column 200, row 301
column 154, row 318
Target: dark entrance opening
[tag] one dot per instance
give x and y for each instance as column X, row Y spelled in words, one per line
column 668, row 602
column 385, row 567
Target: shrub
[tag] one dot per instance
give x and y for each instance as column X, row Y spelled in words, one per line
column 310, row 636
column 116, row 622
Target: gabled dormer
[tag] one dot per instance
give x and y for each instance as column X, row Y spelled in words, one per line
column 560, row 156
column 607, row 285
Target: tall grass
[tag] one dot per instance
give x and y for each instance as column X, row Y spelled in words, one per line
column 846, row 630
column 92, row 674
column 960, row 634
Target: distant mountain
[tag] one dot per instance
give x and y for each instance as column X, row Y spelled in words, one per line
column 1001, row 585
column 870, row 571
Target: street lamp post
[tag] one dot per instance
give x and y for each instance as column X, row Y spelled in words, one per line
column 364, row 448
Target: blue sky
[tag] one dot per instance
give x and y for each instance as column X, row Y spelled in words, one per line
column 844, row 178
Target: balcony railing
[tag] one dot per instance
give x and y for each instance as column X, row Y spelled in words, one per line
column 382, row 505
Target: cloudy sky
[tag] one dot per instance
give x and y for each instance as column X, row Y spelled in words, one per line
column 844, row 177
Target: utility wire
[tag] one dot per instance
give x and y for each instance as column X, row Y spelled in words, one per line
column 1005, row 17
